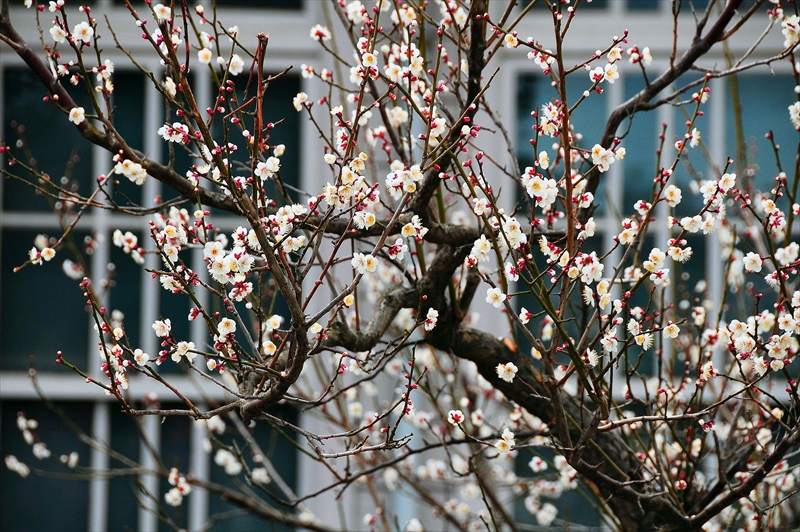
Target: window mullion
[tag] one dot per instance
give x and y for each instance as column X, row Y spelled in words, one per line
column 150, row 298
column 199, row 458
column 98, row 487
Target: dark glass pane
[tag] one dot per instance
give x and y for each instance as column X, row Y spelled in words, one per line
column 126, row 278
column 596, row 4
column 128, row 101
column 525, row 299
column 690, row 283
column 175, row 452
column 283, row 456
column 533, row 91
column 573, row 507
column 176, row 308
column 764, row 101
column 696, row 163
column 643, row 5
column 588, row 120
column 177, row 156
column 640, row 142
column 42, row 310
column 528, row 96
column 181, row 159
column 32, row 127
column 40, row 501
column 122, row 508
column 277, row 106
column 634, row 357
column 703, row 4
column 687, row 5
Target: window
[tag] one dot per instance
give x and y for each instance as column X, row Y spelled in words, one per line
column 703, row 277
column 42, row 311
column 18, row 493
column 640, row 137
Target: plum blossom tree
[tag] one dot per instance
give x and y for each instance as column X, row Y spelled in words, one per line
column 353, row 301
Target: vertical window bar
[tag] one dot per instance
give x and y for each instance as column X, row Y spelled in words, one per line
column 715, row 267
column 2, row 162
column 666, row 115
column 147, row 518
column 2, row 157
column 312, row 166
column 199, row 459
column 100, row 223
column 150, row 294
column 150, row 297
column 200, row 468
column 98, row 488
column 615, row 179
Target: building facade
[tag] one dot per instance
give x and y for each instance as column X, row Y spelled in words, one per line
column 40, row 308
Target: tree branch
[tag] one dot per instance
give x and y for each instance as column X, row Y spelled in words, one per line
column 165, row 174
column 699, row 47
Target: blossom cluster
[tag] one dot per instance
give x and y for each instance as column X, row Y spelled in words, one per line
column 413, row 209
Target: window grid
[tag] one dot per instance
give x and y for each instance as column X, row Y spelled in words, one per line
column 295, row 47
column 16, row 384
column 715, row 124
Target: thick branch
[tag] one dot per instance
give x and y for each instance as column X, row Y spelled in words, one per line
column 392, row 302
column 605, row 454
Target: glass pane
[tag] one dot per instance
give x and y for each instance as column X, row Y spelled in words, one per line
column 644, row 5
column 283, row 456
column 125, row 276
column 128, row 101
column 176, row 308
column 528, row 100
column 175, row 452
column 703, row 4
column 696, row 163
column 573, row 506
column 177, row 155
column 585, row 4
column 277, row 106
column 30, row 127
column 42, row 310
column 269, row 4
column 640, row 142
column 534, row 89
column 40, row 500
column 589, row 117
column 122, row 510
column 764, row 100
column 687, row 5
